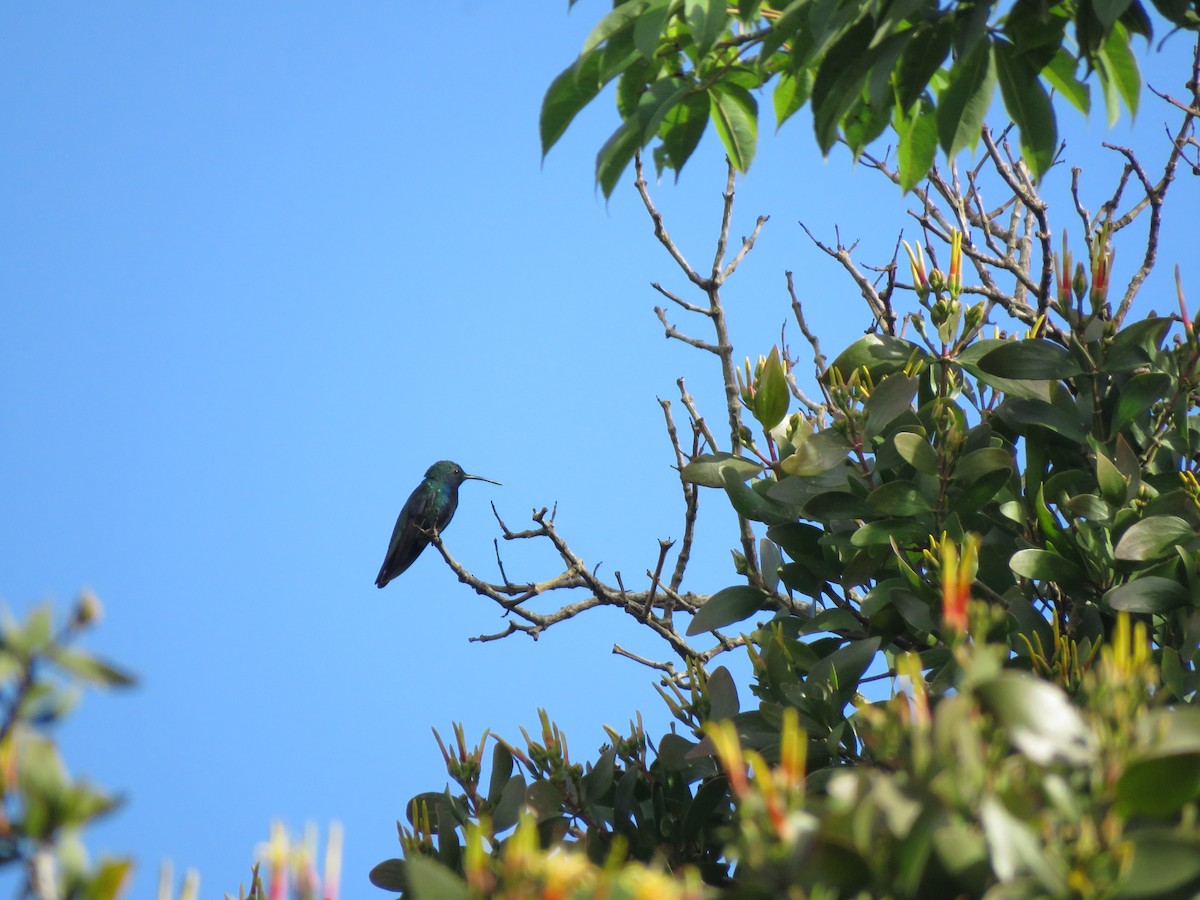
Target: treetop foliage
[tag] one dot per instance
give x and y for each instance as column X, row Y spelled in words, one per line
column 929, row 71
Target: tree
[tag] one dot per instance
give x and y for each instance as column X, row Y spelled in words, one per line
column 991, row 500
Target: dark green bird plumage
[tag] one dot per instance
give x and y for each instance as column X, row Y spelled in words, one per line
column 430, row 507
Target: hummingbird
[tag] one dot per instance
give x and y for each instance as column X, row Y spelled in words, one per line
column 430, row 508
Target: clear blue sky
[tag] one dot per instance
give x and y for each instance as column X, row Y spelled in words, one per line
column 260, row 265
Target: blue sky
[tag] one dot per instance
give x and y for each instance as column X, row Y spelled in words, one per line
column 260, row 265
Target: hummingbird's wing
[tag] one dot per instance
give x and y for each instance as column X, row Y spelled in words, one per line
column 409, row 536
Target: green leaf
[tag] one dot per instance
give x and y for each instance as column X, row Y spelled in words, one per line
column 791, row 93
column 1153, row 538
column 647, row 28
column 842, row 669
column 1016, row 850
column 751, row 504
column 87, row 667
column 898, row 498
column 621, row 17
column 1108, row 11
column 1030, row 360
column 890, row 398
column 1026, row 414
column 1061, row 75
column 915, row 450
column 880, row 354
column 722, row 695
column 980, row 462
column 705, row 470
column 1138, row 395
column 818, row 453
column 705, row 20
column 1134, row 345
column 574, row 88
column 1114, row 486
column 1148, row 594
column 922, row 57
column 734, row 113
column 1165, row 861
column 502, row 766
column 1029, row 106
column 904, row 532
column 968, row 360
column 681, row 130
column 840, row 79
column 917, row 144
column 1045, row 565
column 1118, row 68
column 964, row 102
column 430, row 880
column 725, row 607
column 389, row 875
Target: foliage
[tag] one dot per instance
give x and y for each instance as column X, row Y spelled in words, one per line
column 992, row 502
column 928, row 71
column 45, row 809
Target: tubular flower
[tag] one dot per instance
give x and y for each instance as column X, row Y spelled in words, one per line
column 1062, row 275
column 954, row 279
column 1102, row 259
column 958, row 573
column 917, row 262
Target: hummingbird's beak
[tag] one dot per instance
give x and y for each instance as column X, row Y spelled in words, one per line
column 481, row 478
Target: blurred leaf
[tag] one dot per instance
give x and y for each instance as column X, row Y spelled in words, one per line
column 1153, row 538
column 705, row 470
column 1148, row 594
column 1016, row 849
column 88, row 668
column 1164, row 862
column 1160, row 784
column 725, row 607
column 1038, row 717
column 389, row 875
column 430, row 880
column 511, row 801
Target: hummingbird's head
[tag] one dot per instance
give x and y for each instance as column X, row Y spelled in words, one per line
column 452, row 473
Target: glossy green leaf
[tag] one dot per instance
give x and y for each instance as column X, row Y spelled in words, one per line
column 842, row 669
column 1138, row 395
column 1114, row 486
column 792, row 91
column 969, row 358
column 915, row 450
column 705, row 470
column 818, row 453
column 752, row 504
column 1026, row 414
column 1031, row 359
column 1148, row 594
column 734, row 113
column 978, row 463
column 1134, row 345
column 964, row 102
column 1153, row 538
column 725, row 607
column 922, row 57
column 1045, row 565
column 916, row 145
column 891, row 397
column 904, row 532
column 881, row 354
column 1029, row 106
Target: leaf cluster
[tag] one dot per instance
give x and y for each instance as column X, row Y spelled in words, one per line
column 928, row 71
